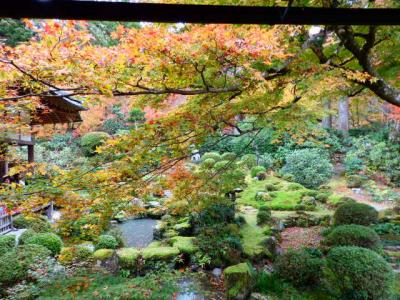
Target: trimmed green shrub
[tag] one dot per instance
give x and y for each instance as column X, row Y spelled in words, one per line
column 50, row 241
column 208, row 163
column 354, row 235
column 30, row 253
column 359, row 273
column 220, row 165
column 299, row 268
column 7, row 243
column 27, row 234
column 90, row 141
column 355, row 213
column 230, row 156
column 213, row 155
column 106, row 242
column 255, row 170
column 310, row 167
column 38, row 224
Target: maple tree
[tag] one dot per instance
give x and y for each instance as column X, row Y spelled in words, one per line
column 220, row 71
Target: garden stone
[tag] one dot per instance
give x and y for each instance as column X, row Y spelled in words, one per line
column 217, row 272
column 137, row 202
column 153, row 204
column 238, row 281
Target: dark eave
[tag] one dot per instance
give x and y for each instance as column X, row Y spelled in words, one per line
column 172, row 13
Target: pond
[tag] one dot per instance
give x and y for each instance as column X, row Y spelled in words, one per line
column 197, row 288
column 138, row 233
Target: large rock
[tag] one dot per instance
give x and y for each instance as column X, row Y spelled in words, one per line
column 107, row 259
column 128, row 257
column 238, row 281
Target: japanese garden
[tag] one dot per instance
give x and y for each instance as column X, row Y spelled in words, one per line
column 199, row 161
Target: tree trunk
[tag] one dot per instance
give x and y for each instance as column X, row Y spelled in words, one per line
column 344, row 114
column 327, row 119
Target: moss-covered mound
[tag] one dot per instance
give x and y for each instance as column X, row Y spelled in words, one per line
column 128, row 257
column 103, row 254
column 160, row 253
column 238, row 281
column 185, row 244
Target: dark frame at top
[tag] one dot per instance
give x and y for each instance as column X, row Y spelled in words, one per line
column 173, row 13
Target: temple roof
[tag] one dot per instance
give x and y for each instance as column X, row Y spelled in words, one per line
column 59, row 108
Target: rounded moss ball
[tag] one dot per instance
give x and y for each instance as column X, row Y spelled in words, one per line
column 50, row 241
column 354, row 235
column 359, row 273
column 355, row 213
column 106, row 242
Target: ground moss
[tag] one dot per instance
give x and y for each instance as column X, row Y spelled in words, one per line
column 282, row 199
column 253, row 236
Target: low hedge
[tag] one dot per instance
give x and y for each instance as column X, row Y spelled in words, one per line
column 355, row 213
column 359, row 273
column 353, row 235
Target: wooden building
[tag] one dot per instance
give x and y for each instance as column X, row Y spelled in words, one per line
column 59, row 108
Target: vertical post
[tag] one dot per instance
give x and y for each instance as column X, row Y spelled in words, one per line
column 31, row 153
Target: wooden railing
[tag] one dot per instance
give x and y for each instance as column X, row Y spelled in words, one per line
column 5, row 221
